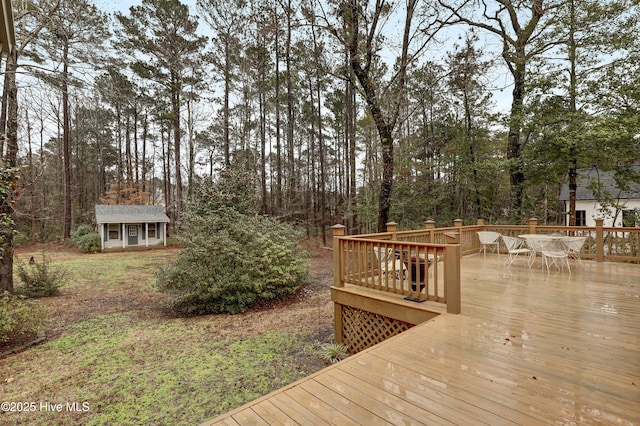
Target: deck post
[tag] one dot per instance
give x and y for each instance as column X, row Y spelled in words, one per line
column 338, row 333
column 430, row 225
column 452, row 272
column 338, row 265
column 599, row 240
column 393, row 228
column 458, row 224
column 480, row 222
column 338, row 270
column 533, row 222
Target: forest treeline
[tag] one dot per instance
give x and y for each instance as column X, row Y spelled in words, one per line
column 349, row 112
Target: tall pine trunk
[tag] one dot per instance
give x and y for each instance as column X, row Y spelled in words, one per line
column 175, row 111
column 11, row 154
column 66, row 145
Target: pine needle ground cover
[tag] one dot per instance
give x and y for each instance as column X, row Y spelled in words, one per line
column 115, row 355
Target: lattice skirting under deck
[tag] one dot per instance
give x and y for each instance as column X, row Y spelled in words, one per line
column 362, row 329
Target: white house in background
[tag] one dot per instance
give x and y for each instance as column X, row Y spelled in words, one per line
column 626, row 209
column 131, row 226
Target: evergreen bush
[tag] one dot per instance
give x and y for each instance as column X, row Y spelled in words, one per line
column 86, row 239
column 39, row 279
column 231, row 261
column 81, row 231
column 89, row 243
column 19, row 319
column 232, row 258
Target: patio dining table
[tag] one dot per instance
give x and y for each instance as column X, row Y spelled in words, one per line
column 536, row 242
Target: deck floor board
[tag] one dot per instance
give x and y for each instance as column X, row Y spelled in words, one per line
column 530, row 347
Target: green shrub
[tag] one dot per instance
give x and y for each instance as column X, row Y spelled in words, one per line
column 233, row 258
column 39, row 279
column 89, row 243
column 19, row 319
column 235, row 189
column 81, row 231
column 231, row 261
column 86, row 239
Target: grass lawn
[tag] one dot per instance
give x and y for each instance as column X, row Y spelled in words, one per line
column 114, row 355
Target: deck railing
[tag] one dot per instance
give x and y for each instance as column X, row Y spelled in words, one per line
column 401, row 263
column 602, row 243
column 381, row 281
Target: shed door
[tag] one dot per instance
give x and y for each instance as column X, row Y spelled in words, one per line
column 132, row 231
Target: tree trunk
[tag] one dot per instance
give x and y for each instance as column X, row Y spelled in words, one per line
column 225, row 110
column 573, row 83
column 175, row 109
column 278, row 202
column 166, row 165
column 145, row 129
column 192, row 150
column 136, row 157
column 3, row 111
column 290, row 117
column 514, row 148
column 11, row 90
column 367, row 80
column 349, row 111
column 66, row 145
column 128, row 156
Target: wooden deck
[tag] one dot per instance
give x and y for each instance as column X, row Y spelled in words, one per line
column 530, row 347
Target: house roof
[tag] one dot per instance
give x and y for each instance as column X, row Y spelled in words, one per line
column 607, row 182
column 106, row 213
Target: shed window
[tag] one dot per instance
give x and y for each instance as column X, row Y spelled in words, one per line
column 581, row 218
column 133, row 230
column 152, row 230
column 114, row 231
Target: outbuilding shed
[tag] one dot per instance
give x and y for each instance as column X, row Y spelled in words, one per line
column 131, row 226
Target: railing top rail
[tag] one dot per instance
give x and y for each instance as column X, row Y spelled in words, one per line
column 621, row 229
column 426, row 231
column 496, row 226
column 379, row 235
column 377, row 241
column 568, row 228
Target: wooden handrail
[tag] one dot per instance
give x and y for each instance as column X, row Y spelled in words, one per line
column 394, row 267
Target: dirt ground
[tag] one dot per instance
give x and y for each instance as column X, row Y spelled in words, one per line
column 308, row 311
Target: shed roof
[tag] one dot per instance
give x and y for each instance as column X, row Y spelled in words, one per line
column 604, row 178
column 106, row 213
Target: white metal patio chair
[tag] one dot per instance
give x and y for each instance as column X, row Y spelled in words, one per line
column 534, row 243
column 574, row 244
column 555, row 252
column 489, row 239
column 515, row 248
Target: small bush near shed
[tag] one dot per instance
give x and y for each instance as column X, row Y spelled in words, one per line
column 89, row 243
column 86, row 239
column 81, row 231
